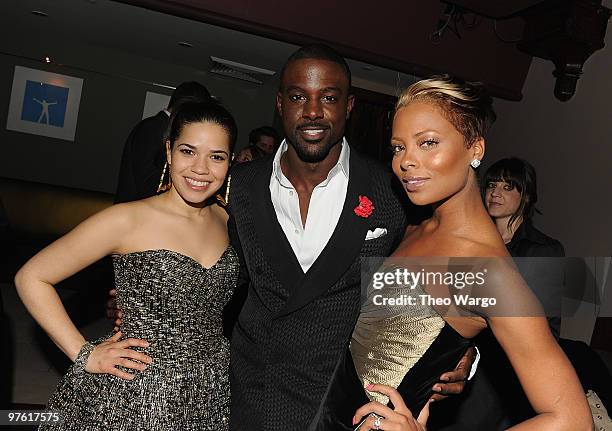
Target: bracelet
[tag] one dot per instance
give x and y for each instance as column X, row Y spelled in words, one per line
column 81, row 360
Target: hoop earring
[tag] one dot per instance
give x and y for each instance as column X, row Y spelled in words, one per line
column 475, row 163
column 161, row 187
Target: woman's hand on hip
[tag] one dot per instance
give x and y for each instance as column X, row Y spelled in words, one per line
column 109, row 354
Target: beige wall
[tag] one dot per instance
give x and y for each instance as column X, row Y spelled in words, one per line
column 570, row 145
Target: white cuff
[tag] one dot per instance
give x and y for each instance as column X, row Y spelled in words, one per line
column 475, row 364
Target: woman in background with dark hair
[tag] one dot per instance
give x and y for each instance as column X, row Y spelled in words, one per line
column 511, row 193
column 166, row 368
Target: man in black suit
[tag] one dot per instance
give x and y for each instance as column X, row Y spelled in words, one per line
column 299, row 220
column 143, row 154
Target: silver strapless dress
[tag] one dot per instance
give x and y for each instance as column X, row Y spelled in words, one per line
column 175, row 304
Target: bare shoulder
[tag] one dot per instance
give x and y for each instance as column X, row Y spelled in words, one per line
column 129, row 214
column 467, row 247
column 132, row 216
column 452, row 245
column 119, row 216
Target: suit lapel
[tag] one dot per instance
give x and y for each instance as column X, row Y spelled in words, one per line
column 344, row 245
column 273, row 241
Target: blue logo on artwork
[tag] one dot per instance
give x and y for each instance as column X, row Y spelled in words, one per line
column 44, row 103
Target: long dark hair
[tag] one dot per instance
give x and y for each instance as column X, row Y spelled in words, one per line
column 521, row 175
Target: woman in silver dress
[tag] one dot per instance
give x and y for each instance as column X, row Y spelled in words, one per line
column 166, row 367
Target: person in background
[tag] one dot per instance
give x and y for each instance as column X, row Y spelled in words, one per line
column 262, row 141
column 265, row 138
column 144, row 154
column 249, row 154
column 510, row 194
column 510, row 190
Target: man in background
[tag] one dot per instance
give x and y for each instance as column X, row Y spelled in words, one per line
column 265, row 138
column 263, row 141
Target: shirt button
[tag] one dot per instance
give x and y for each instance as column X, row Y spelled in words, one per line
column 290, row 192
column 297, row 231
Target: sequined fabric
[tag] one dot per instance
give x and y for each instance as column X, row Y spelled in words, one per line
column 388, row 340
column 176, row 304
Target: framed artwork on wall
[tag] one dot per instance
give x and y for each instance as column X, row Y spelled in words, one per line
column 44, row 103
column 154, row 102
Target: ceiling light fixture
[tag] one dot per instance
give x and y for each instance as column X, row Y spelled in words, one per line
column 245, row 72
column 39, row 13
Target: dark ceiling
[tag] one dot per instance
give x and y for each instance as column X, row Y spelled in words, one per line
column 388, row 33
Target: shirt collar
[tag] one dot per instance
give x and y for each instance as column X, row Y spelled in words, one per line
column 342, row 165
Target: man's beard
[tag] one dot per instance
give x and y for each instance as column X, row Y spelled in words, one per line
column 313, row 153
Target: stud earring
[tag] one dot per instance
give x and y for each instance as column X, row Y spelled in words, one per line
column 475, row 163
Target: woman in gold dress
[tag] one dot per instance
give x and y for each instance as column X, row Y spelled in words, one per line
column 397, row 351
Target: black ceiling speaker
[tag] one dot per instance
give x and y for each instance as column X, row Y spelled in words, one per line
column 566, row 32
column 494, row 9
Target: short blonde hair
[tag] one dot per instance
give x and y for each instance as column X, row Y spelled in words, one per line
column 467, row 105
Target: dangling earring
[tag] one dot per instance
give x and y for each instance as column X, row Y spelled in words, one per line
column 164, row 187
column 475, row 163
column 225, row 200
column 221, row 200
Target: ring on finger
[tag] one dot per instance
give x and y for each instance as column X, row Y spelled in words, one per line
column 377, row 423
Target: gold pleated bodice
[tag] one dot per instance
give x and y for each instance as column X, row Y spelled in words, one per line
column 388, row 340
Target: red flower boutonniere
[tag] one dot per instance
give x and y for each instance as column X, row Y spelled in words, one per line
column 365, row 207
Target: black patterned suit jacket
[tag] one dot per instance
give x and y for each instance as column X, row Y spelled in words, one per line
column 294, row 326
column 143, row 159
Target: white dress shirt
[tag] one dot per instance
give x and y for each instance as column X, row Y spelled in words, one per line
column 324, row 210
